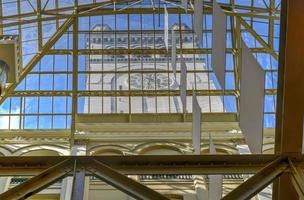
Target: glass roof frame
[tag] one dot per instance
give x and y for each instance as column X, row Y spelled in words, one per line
column 246, row 19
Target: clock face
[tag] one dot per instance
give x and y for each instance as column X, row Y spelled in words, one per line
column 149, row 81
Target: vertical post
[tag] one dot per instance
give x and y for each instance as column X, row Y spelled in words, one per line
column 1, row 15
column 271, row 23
column 78, row 183
column 39, row 23
column 290, row 107
column 75, row 77
column 237, row 62
column 235, row 40
column 68, row 183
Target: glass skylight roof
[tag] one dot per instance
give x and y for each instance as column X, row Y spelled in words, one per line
column 123, row 66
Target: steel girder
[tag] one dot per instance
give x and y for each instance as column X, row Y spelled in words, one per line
column 126, row 93
column 146, row 51
column 266, row 169
column 135, row 165
column 105, row 173
column 99, row 9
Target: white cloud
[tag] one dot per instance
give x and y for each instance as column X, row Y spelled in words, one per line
column 5, row 120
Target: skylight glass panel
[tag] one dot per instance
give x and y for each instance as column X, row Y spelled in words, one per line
column 123, row 66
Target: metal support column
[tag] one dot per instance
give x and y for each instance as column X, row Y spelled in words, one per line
column 290, row 107
column 78, row 183
column 75, row 78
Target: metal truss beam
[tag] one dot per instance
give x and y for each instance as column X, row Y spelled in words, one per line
column 99, row 9
column 259, row 38
column 145, row 51
column 207, row 9
column 171, row 164
column 103, row 167
column 78, row 169
column 92, row 9
column 163, row 93
column 105, row 11
column 156, row 93
column 121, row 182
column 126, row 93
column 38, row 57
column 259, row 181
column 39, row 182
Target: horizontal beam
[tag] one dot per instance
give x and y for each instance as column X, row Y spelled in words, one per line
column 34, row 133
column 161, row 122
column 161, row 51
column 153, row 118
column 251, row 11
column 138, row 70
column 127, row 93
column 137, row 165
column 53, row 14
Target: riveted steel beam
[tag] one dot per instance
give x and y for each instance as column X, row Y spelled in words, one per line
column 171, row 164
